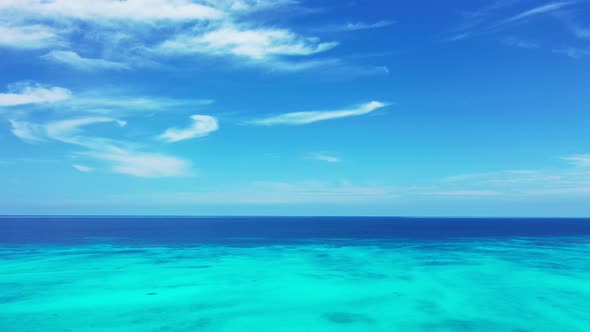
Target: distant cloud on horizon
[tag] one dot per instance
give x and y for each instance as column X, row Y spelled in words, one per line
column 582, row 160
column 325, row 157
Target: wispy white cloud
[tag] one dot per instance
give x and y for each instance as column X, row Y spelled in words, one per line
column 561, row 191
column 493, row 18
column 30, row 96
column 516, row 42
column 474, row 22
column 498, row 174
column 100, row 10
column 264, row 193
column 301, row 118
column 573, row 52
column 336, row 67
column 28, row 93
column 202, row 126
column 74, row 60
column 127, row 34
column 321, row 156
column 250, row 6
column 269, row 193
column 68, row 130
column 65, row 131
column 256, row 44
column 581, row 160
column 544, row 9
column 457, row 37
column 568, row 179
column 303, row 65
column 118, row 155
column 108, row 102
column 26, row 131
column 274, row 49
column 82, row 168
column 149, row 165
column 29, row 36
column 511, row 178
column 356, row 26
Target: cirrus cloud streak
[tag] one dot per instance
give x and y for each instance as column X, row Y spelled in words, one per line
column 74, row 60
column 28, row 93
column 302, row 118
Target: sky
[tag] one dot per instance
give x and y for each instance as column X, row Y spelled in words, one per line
column 294, row 107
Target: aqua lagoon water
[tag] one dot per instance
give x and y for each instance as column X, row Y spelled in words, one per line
column 294, row 274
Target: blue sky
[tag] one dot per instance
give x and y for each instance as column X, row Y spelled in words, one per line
column 259, row 107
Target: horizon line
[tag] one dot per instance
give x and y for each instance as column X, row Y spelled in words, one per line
column 179, row 216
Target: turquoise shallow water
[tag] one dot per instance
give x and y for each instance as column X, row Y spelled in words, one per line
column 513, row 284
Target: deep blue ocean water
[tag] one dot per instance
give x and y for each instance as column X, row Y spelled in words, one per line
column 182, row 230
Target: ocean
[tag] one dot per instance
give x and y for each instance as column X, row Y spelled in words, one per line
column 293, row 274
